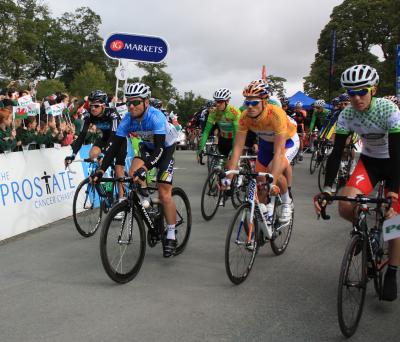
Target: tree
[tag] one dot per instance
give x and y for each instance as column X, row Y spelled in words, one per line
column 360, row 25
column 187, row 105
column 276, row 83
column 91, row 77
column 159, row 80
column 48, row 87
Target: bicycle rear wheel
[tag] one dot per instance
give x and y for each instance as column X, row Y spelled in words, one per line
column 210, row 196
column 239, row 252
column 122, row 243
column 183, row 219
column 86, row 209
column 282, row 232
column 352, row 285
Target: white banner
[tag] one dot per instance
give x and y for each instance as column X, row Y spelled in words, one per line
column 25, row 100
column 31, row 109
column 391, row 228
column 122, row 110
column 35, row 189
column 56, row 109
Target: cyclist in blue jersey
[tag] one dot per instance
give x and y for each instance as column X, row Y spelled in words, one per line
column 157, row 150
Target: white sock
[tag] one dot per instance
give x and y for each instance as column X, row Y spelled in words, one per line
column 170, row 231
column 286, row 198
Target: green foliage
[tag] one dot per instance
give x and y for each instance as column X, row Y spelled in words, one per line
column 276, row 83
column 187, row 105
column 159, row 80
column 48, row 87
column 89, row 78
column 360, row 25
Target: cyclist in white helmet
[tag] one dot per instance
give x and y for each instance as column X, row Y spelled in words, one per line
column 377, row 122
column 157, row 150
column 318, row 119
column 226, row 117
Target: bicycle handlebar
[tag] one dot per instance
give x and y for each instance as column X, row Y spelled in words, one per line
column 269, row 176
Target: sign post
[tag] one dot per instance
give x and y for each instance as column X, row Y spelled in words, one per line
column 398, row 73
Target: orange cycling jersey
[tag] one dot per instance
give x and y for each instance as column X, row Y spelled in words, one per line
column 271, row 122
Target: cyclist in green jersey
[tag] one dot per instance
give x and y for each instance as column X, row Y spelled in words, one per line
column 318, row 118
column 226, row 117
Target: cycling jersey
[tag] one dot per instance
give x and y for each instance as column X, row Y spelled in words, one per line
column 107, row 123
column 373, row 126
column 153, row 122
column 271, row 122
column 226, row 120
column 318, row 118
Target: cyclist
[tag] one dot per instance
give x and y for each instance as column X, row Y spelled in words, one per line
column 394, row 99
column 226, row 117
column 276, row 148
column 300, row 115
column 106, row 120
column 157, row 150
column 317, row 119
column 377, row 121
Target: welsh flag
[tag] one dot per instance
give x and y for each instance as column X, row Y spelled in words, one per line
column 20, row 112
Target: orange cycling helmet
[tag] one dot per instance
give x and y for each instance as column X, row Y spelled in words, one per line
column 256, row 89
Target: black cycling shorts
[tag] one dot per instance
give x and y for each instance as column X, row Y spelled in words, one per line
column 121, row 155
column 224, row 145
column 165, row 165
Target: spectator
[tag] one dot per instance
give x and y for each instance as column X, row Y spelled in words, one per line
column 7, row 132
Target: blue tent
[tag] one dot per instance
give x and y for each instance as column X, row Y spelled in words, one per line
column 300, row 96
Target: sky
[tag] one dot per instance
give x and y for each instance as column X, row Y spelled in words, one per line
column 220, row 43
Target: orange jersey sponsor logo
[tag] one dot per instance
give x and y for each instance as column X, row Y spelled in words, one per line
column 272, row 121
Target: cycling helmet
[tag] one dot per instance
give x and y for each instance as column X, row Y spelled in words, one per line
column 392, row 98
column 256, row 89
column 335, row 101
column 156, row 103
column 298, row 104
column 284, row 101
column 222, row 94
column 137, row 90
column 209, row 104
column 359, row 76
column 319, row 103
column 98, row 96
column 344, row 97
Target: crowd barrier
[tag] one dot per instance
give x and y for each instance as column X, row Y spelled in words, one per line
column 36, row 189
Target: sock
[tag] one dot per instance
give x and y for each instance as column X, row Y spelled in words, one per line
column 391, row 271
column 171, row 231
column 285, row 197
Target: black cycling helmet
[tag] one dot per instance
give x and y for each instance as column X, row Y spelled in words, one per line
column 156, row 103
column 284, row 101
column 344, row 97
column 335, row 101
column 98, row 96
column 209, row 104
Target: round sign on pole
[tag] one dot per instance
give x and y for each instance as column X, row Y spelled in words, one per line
column 121, row 73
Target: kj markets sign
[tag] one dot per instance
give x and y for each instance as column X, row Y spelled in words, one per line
column 136, row 47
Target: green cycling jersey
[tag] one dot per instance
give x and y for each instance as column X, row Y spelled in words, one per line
column 227, row 121
column 321, row 118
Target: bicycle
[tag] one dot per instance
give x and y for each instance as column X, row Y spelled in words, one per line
column 365, row 258
column 320, row 154
column 123, row 241
column 249, row 230
column 92, row 201
column 344, row 171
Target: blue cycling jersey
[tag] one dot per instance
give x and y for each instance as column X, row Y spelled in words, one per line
column 153, row 122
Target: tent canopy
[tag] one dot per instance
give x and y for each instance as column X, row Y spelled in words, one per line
column 303, row 98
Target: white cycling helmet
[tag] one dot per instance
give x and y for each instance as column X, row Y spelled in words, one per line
column 359, row 76
column 222, row 94
column 137, row 90
column 319, row 103
column 298, row 104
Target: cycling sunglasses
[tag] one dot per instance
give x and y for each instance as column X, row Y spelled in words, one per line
column 134, row 102
column 251, row 103
column 358, row 92
column 95, row 105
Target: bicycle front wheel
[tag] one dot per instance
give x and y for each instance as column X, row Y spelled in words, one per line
column 239, row 191
column 86, row 209
column 210, row 196
column 352, row 285
column 321, row 174
column 240, row 251
column 313, row 162
column 122, row 243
